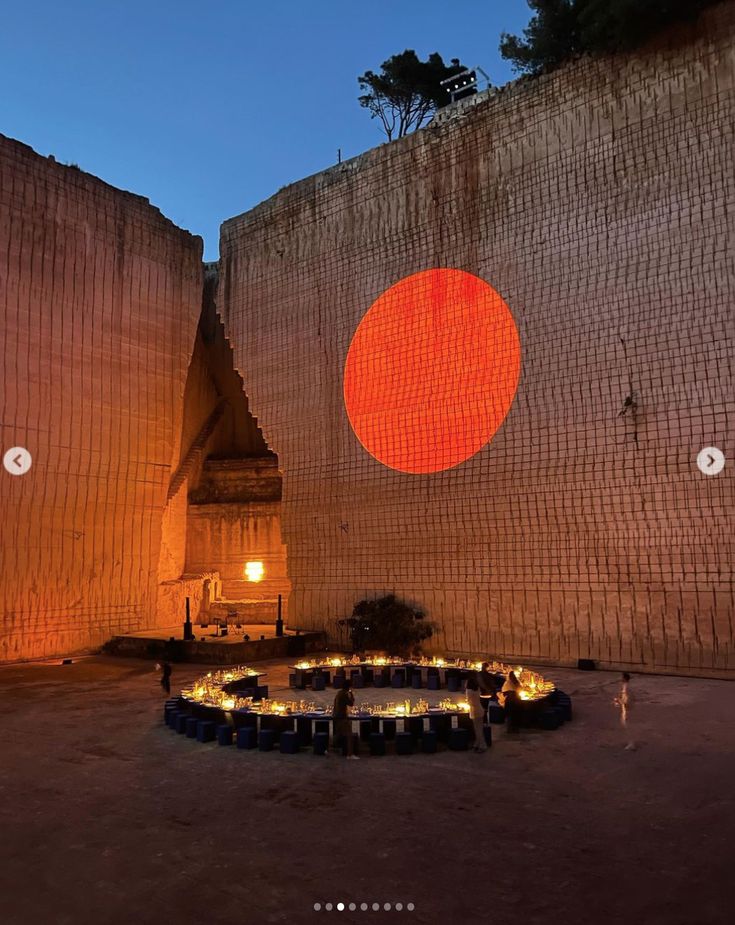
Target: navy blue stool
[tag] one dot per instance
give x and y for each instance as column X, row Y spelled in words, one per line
column 224, row 735
column 379, row 679
column 414, row 725
column 487, row 732
column 317, row 682
column 549, row 720
column 191, row 727
column 261, row 692
column 398, row 679
column 454, row 683
column 292, row 681
column 247, row 737
column 429, row 742
column 321, row 743
column 323, row 726
column 389, row 729
column 495, row 713
column 366, row 728
column 433, row 682
column 179, row 723
column 206, row 730
column 171, row 706
column 377, row 743
column 304, row 729
column 357, row 679
column 416, row 680
column 266, row 740
column 338, row 680
column 441, row 725
column 404, row 743
column 565, row 702
column 459, row 740
column 288, row 744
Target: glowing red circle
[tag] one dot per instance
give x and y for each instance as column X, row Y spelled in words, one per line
column 432, row 371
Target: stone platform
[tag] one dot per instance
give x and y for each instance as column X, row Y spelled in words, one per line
column 208, row 648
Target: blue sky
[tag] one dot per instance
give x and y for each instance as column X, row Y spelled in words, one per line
column 207, row 108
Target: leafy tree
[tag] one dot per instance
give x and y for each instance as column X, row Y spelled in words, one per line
column 407, row 91
column 561, row 29
column 387, row 625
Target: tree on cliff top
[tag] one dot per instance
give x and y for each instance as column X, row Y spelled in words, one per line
column 407, row 91
column 561, row 29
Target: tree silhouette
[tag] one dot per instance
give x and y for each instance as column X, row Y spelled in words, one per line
column 407, row 91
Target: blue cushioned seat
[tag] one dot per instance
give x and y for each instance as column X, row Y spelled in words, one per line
column 429, row 742
column 247, row 737
column 495, row 713
column 261, row 692
column 206, row 730
column 416, row 680
column 179, row 722
column 288, row 744
column 389, row 729
column 398, row 679
column 321, row 743
column 224, row 734
column 377, row 743
column 357, row 680
column 454, row 683
column 459, row 740
column 191, row 727
column 317, row 682
column 379, row 678
column 433, row 682
column 266, row 740
column 404, row 743
column 323, row 726
column 549, row 720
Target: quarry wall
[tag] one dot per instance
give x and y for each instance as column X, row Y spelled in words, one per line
column 100, row 297
column 598, row 201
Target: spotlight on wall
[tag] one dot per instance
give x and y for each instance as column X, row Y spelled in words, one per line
column 254, row 571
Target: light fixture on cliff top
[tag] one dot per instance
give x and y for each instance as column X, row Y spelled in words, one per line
column 254, row 571
column 463, row 84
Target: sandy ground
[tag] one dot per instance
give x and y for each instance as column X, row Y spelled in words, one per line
column 107, row 816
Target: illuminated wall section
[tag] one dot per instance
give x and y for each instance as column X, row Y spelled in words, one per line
column 99, row 301
column 488, row 354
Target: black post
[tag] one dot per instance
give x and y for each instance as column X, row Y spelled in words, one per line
column 279, row 621
column 188, row 634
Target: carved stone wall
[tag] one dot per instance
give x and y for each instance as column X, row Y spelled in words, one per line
column 598, row 201
column 99, row 299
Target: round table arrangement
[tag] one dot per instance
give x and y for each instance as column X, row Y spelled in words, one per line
column 231, row 707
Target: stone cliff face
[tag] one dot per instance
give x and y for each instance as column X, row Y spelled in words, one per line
column 598, row 202
column 100, row 297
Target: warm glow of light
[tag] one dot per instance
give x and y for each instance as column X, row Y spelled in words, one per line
column 229, row 703
column 254, row 571
column 432, row 371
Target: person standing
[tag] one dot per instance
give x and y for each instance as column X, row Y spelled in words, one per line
column 166, row 677
column 477, row 713
column 343, row 702
column 511, row 701
column 488, row 687
column 624, row 702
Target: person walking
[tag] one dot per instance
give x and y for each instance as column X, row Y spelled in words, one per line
column 477, row 713
column 343, row 702
column 624, row 702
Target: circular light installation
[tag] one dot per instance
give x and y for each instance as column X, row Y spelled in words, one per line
column 432, row 371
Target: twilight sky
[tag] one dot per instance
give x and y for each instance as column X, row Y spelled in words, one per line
column 207, row 108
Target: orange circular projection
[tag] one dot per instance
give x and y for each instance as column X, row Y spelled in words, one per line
column 432, row 371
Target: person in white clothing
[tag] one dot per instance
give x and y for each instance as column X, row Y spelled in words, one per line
column 624, row 702
column 477, row 712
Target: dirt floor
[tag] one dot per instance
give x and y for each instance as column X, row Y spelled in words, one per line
column 107, row 816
